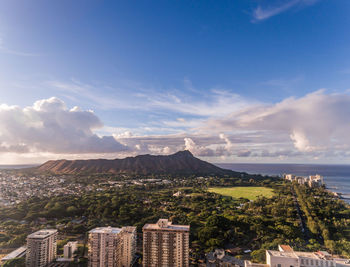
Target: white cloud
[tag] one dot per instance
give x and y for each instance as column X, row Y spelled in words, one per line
column 196, row 149
column 218, row 103
column 315, row 122
column 78, row 91
column 228, row 145
column 300, row 141
column 212, row 148
column 49, row 126
column 194, row 103
column 262, row 13
column 315, row 126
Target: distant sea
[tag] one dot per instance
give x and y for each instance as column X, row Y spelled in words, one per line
column 336, row 177
column 2, row 167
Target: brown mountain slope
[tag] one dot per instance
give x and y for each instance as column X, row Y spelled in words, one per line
column 182, row 162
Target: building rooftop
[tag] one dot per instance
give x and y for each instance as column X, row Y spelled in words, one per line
column 71, row 243
column 129, row 229
column 105, row 230
column 285, row 248
column 277, row 253
column 312, row 255
column 41, row 234
column 297, row 254
column 164, row 224
column 15, row 254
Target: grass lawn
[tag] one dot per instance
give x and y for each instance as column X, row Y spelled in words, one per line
column 249, row 192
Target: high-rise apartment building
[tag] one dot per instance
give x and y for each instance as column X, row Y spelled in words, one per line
column 41, row 248
column 128, row 237
column 69, row 249
column 165, row 244
column 112, row 247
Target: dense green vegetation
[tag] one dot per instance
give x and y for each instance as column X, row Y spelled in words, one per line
column 251, row 192
column 17, row 262
column 327, row 218
column 215, row 220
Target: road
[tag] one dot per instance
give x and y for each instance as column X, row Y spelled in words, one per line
column 301, row 218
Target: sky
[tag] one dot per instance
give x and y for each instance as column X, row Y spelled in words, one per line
column 256, row 81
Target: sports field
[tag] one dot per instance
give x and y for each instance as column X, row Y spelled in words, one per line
column 249, row 192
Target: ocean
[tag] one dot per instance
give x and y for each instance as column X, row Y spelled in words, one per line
column 3, row 167
column 336, row 177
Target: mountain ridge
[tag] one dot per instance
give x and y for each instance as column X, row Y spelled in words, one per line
column 182, row 162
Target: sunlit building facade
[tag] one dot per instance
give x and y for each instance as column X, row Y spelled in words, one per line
column 165, row 244
column 112, row 247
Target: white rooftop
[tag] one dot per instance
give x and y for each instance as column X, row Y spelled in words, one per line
column 277, row 253
column 105, row 230
column 15, row 254
column 164, row 224
column 297, row 254
column 71, row 243
column 42, row 233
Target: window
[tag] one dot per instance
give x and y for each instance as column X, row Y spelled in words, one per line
column 279, row 265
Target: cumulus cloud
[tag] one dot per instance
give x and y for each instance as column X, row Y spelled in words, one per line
column 315, row 122
column 300, row 141
column 313, row 126
column 214, row 148
column 49, row 126
column 316, row 125
column 197, row 149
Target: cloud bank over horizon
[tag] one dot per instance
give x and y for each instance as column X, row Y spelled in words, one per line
column 49, row 126
column 314, row 127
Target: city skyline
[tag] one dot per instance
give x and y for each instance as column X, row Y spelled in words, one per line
column 242, row 81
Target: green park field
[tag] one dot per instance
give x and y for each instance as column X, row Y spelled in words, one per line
column 249, row 192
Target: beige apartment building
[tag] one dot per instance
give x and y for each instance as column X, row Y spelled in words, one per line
column 112, row 247
column 165, row 244
column 69, row 249
column 287, row 257
column 41, row 248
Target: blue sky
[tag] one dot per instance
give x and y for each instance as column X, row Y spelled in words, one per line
column 157, row 73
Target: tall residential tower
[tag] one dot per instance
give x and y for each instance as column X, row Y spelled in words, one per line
column 41, row 248
column 112, row 247
column 165, row 244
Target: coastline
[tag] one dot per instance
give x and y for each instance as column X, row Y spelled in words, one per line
column 336, row 177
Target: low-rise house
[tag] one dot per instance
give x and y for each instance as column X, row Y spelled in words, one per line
column 221, row 259
column 287, row 257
